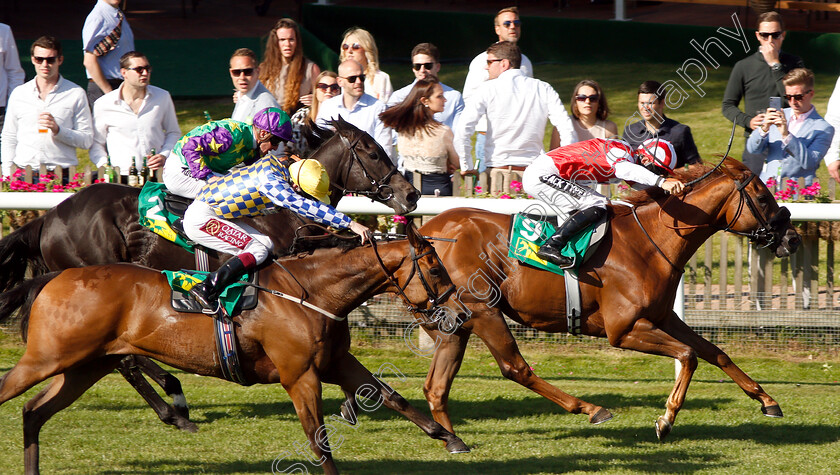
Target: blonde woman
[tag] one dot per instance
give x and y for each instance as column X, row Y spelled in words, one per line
column 358, row 44
column 284, row 70
column 326, row 86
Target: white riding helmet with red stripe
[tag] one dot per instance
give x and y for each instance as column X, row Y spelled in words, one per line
column 660, row 152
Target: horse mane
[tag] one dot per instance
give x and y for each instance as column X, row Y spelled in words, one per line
column 316, row 135
column 310, row 244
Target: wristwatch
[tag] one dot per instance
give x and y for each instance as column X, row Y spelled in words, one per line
column 776, row 66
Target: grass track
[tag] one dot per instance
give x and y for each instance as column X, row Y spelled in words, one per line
column 242, row 430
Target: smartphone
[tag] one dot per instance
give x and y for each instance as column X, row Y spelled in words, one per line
column 775, row 103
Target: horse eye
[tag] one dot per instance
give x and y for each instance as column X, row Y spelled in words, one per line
column 434, row 271
column 763, row 199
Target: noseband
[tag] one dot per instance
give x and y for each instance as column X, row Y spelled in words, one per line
column 383, row 190
column 434, row 299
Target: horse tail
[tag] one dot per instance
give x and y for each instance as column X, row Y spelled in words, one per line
column 18, row 300
column 19, row 251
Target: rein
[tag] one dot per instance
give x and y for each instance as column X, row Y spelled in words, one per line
column 383, row 191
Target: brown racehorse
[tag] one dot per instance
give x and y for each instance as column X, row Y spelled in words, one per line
column 99, row 225
column 628, row 286
column 122, row 309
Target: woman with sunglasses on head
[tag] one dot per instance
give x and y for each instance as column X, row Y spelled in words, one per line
column 284, row 70
column 426, row 146
column 358, row 44
column 590, row 112
column 326, row 86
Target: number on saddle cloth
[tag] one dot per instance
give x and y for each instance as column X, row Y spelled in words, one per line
column 529, row 232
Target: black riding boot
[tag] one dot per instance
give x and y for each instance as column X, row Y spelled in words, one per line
column 207, row 292
column 577, row 222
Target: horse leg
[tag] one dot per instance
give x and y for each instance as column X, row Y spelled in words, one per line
column 445, row 365
column 305, row 393
column 495, row 333
column 349, row 408
column 354, row 378
column 178, row 413
column 61, row 392
column 646, row 337
column 715, row 356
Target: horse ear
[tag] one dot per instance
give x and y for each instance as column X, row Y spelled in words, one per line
column 414, row 236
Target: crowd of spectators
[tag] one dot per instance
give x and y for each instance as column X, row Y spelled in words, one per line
column 426, row 127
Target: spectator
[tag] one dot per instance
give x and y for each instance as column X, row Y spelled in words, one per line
column 11, row 74
column 250, row 96
column 655, row 124
column 134, row 119
column 48, row 117
column 517, row 109
column 832, row 116
column 355, row 106
column 590, row 112
column 284, row 70
column 326, row 87
column 799, row 138
column 106, row 36
column 425, row 59
column 508, row 27
column 758, row 77
column 358, row 44
column 425, row 144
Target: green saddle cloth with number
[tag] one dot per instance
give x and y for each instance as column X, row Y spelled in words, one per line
column 155, row 215
column 182, row 281
column 528, row 233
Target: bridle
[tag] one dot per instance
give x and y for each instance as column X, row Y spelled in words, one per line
column 765, row 233
column 434, row 299
column 383, row 190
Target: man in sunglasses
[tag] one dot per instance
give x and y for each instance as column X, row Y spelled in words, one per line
column 756, row 78
column 212, row 149
column 47, row 118
column 356, row 107
column 425, row 59
column 250, row 96
column 134, row 119
column 796, row 138
column 655, row 124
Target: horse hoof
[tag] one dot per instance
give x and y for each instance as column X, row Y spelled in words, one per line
column 772, row 411
column 187, row 426
column 347, row 414
column 663, row 428
column 457, row 446
column 602, row 415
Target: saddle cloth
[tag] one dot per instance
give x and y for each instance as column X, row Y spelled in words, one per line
column 235, row 298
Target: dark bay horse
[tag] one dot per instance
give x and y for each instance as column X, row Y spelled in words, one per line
column 123, row 309
column 628, row 286
column 99, row 225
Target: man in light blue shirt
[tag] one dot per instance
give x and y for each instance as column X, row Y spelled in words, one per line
column 425, row 59
column 250, row 96
column 353, row 105
column 106, row 36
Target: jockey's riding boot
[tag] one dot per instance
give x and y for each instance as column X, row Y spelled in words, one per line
column 577, row 222
column 207, row 292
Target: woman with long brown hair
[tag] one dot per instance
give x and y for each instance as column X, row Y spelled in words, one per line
column 425, row 145
column 284, row 70
column 590, row 112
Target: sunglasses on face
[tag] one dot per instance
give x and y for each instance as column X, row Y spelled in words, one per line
column 333, row 88
column 491, row 61
column 797, row 97
column 768, row 34
column 352, row 79
column 584, row 97
column 48, row 59
column 419, row 66
column 239, row 72
column 141, row 69
column 514, row 23
column 355, row 46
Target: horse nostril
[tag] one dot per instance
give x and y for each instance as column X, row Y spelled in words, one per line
column 412, row 197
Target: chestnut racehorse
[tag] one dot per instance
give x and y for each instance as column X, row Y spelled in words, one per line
column 628, row 286
column 99, row 225
column 123, row 309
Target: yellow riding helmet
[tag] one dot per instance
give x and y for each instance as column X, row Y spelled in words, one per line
column 311, row 177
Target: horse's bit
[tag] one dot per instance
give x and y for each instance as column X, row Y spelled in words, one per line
column 383, row 190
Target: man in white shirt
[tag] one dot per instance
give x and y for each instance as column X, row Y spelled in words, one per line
column 11, row 74
column 106, row 36
column 134, row 119
column 250, row 96
column 517, row 109
column 356, row 107
column 832, row 116
column 508, row 27
column 425, row 59
column 48, row 117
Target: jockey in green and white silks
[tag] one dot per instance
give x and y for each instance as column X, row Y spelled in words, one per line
column 216, row 147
